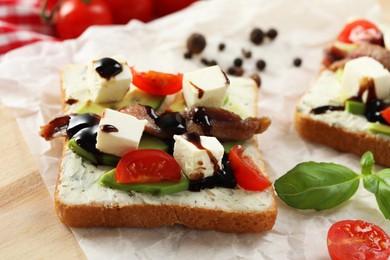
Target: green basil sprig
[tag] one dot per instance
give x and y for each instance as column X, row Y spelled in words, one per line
column 319, row 186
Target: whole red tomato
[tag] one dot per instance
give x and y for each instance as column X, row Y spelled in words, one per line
column 164, row 7
column 74, row 16
column 125, row 10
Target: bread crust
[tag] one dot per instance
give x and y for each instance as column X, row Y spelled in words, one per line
column 341, row 139
column 151, row 215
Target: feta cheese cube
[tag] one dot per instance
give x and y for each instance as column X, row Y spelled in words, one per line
column 198, row 158
column 205, row 87
column 361, row 72
column 108, row 89
column 119, row 133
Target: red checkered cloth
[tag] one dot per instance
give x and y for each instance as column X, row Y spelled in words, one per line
column 20, row 24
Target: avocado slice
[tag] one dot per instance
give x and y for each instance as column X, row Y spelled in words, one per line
column 139, row 97
column 101, row 159
column 378, row 128
column 108, row 179
column 91, row 107
column 227, row 146
column 355, row 107
column 178, row 104
column 151, row 142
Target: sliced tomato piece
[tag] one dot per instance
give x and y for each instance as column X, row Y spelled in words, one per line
column 361, row 31
column 157, row 83
column 247, row 174
column 357, row 239
column 386, row 114
column 147, row 165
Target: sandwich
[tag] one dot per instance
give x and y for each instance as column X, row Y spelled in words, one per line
column 348, row 106
column 152, row 149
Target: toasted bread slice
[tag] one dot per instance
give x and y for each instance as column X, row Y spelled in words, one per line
column 340, row 130
column 81, row 201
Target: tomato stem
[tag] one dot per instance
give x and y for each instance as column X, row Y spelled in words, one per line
column 47, row 15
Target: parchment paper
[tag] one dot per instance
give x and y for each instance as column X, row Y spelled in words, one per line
column 29, row 80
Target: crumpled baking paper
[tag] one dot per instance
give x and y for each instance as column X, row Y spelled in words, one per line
column 29, row 80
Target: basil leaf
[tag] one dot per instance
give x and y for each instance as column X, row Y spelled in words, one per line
column 319, row 186
column 371, row 183
column 367, row 163
column 383, row 193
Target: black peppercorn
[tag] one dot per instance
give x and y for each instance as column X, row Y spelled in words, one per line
column 246, row 53
column 196, row 43
column 188, row 55
column 257, row 36
column 297, row 62
column 272, row 33
column 260, row 65
column 221, row 46
column 237, row 62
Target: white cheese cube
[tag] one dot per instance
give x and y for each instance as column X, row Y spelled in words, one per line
column 198, row 160
column 119, row 133
column 358, row 72
column 205, row 87
column 112, row 89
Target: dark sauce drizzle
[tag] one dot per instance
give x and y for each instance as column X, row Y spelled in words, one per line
column 107, row 67
column 222, row 178
column 109, row 129
column 200, row 91
column 170, row 121
column 324, row 109
column 195, row 140
column 202, row 118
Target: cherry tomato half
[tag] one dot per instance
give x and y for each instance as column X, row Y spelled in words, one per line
column 361, row 31
column 157, row 83
column 147, row 165
column 74, row 16
column 248, row 176
column 357, row 239
column 386, row 114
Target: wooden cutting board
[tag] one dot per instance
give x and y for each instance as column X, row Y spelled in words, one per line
column 29, row 225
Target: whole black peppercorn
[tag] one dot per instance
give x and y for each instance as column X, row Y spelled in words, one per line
column 260, row 65
column 196, row 43
column 221, row 46
column 246, row 53
column 257, row 36
column 188, row 55
column 297, row 62
column 237, row 62
column 272, row 33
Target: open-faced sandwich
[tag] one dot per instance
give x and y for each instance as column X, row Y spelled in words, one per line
column 151, row 149
column 348, row 107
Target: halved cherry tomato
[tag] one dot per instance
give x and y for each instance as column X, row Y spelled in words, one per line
column 247, row 174
column 357, row 239
column 361, row 31
column 386, row 115
column 157, row 83
column 147, row 165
